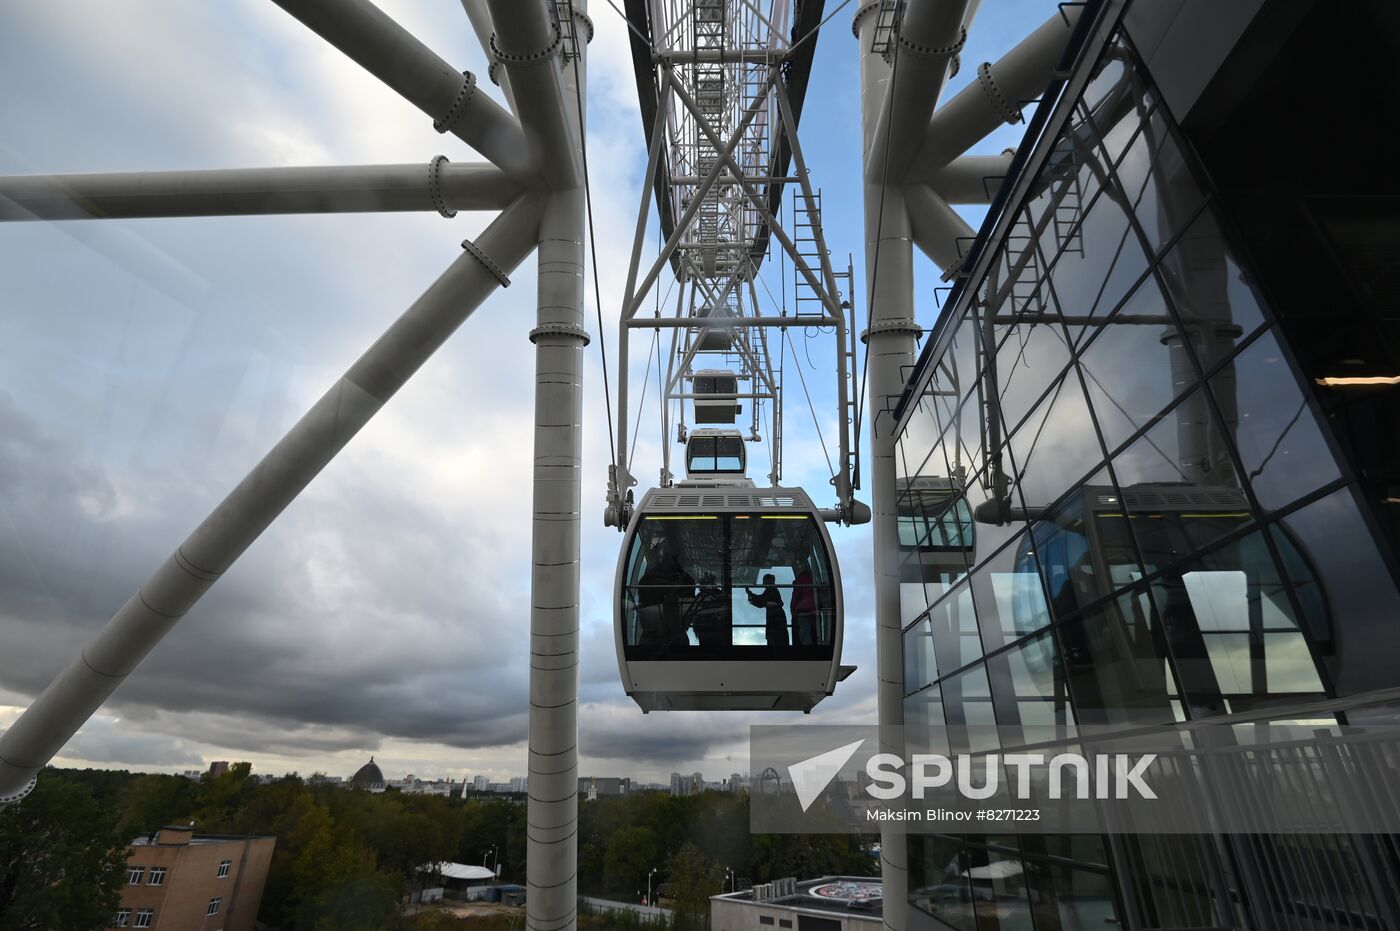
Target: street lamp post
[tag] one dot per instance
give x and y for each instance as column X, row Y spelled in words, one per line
column 729, row 873
column 649, row 876
column 492, row 855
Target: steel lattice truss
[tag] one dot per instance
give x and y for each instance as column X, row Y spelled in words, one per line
column 726, row 78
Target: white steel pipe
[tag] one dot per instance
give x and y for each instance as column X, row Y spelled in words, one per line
column 552, row 824
column 551, row 854
column 997, row 96
column 938, row 230
column 480, row 18
column 889, row 269
column 929, row 36
column 386, row 50
column 79, row 690
column 436, row 185
column 528, row 46
column 970, row 179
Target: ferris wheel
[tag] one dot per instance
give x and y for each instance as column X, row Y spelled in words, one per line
column 728, row 593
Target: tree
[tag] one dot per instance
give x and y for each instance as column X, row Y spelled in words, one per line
column 62, row 861
column 691, row 879
column 631, row 855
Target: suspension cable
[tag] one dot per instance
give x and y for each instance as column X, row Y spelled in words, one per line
column 593, row 254
column 810, row 406
column 646, row 383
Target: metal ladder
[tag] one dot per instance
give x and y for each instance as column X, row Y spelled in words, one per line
column 561, row 11
column 887, row 28
column 806, row 221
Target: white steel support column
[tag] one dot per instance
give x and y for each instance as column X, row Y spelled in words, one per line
column 551, row 853
column 42, row 730
column 552, row 818
column 889, row 269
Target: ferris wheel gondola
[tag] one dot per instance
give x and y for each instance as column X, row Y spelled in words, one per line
column 728, row 598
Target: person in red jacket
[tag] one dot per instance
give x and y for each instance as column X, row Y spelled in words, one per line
column 804, row 607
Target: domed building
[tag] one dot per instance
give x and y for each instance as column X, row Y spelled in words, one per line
column 368, row 777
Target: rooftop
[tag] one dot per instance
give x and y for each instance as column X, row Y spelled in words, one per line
column 837, row 895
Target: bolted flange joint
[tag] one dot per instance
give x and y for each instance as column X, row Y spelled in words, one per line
column 486, row 262
column 892, row 326
column 10, row 798
column 559, row 329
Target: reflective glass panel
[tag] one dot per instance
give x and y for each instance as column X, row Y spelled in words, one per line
column 924, row 728
column 938, row 881
column 953, row 622
column 1179, row 485
column 936, row 538
column 999, row 891
column 920, row 668
column 1115, row 657
column 1101, row 261
column 1350, row 599
column 1029, row 685
column 1117, row 97
column 1084, row 551
column 1158, row 182
column 980, row 498
column 1009, row 597
column 1034, row 354
column 1280, row 444
column 1210, row 292
column 1232, row 629
column 1069, row 899
column 1055, row 446
column 967, row 703
column 1128, row 371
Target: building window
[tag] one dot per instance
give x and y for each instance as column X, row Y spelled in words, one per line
column 134, row 874
column 223, row 868
column 145, row 917
column 784, row 923
column 214, row 904
column 123, row 916
column 765, row 919
column 157, row 877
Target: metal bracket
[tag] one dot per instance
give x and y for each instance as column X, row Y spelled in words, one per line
column 486, row 262
column 559, row 329
column 459, row 104
column 435, row 186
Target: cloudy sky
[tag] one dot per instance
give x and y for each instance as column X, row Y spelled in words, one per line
column 145, row 366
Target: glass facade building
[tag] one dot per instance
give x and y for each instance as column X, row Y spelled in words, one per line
column 1147, row 478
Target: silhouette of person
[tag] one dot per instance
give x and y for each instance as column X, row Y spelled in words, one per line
column 804, row 607
column 660, row 592
column 775, row 619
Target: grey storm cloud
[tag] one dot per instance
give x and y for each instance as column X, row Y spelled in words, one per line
column 103, row 740
column 384, row 654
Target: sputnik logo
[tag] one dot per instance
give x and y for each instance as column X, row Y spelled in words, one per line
column 812, row 775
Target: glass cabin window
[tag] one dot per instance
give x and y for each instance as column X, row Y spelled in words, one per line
column 714, row 454
column 727, row 587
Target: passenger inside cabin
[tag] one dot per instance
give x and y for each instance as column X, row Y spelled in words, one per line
column 661, row 590
column 771, row 601
column 804, row 607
